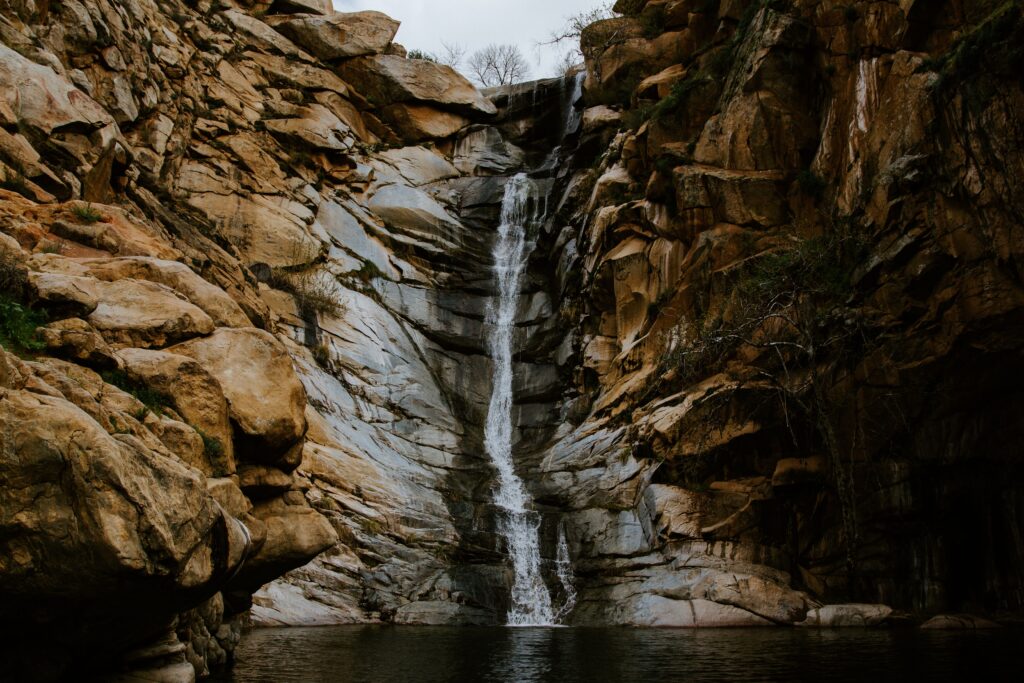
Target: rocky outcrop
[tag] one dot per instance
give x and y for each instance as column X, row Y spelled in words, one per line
column 339, row 35
column 777, row 338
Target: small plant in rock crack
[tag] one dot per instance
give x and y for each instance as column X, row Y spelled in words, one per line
column 86, row 213
column 18, row 325
column 212, row 447
column 151, row 399
column 315, row 293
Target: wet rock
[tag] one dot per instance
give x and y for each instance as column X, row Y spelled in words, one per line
column 958, row 622
column 832, row 616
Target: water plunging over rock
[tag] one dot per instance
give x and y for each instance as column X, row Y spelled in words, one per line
column 519, row 525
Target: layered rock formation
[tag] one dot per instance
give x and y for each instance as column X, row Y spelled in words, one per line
column 769, row 327
column 796, row 315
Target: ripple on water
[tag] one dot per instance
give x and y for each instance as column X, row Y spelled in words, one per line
column 382, row 654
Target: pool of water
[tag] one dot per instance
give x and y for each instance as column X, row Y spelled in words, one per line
column 389, row 654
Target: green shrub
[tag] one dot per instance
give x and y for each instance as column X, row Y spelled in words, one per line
column 18, row 324
column 153, row 400
column 368, row 272
column 422, row 54
column 677, row 98
column 86, row 214
column 212, row 447
column 818, row 267
column 995, row 47
column 634, row 118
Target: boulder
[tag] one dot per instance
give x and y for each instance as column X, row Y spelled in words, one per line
column 221, row 308
column 101, row 523
column 76, row 340
column 420, row 165
column 266, row 231
column 601, row 116
column 42, row 99
column 832, row 616
column 65, row 294
column 311, row 6
column 195, row 394
column 266, row 401
column 795, row 471
column 341, row 34
column 289, row 72
column 145, row 314
column 407, row 208
column 387, row 79
column 295, row 535
column 262, row 481
column 262, row 36
column 419, row 122
column 180, row 439
column 315, row 126
column 958, row 622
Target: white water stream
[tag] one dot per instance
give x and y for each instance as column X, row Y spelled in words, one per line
column 518, row 524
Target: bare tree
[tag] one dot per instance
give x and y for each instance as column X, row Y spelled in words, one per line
column 576, row 24
column 452, row 55
column 569, row 61
column 498, row 65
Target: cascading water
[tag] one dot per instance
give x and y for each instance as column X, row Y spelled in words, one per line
column 518, row 524
column 563, row 568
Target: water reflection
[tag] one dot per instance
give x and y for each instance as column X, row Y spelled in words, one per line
column 380, row 654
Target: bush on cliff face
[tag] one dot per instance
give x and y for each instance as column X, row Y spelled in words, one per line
column 154, row 401
column 18, row 322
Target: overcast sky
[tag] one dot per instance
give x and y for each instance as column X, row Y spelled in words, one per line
column 477, row 23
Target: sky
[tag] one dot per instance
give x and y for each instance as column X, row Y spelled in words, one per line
column 477, row 23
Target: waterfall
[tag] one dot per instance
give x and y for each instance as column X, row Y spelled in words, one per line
column 563, row 568
column 574, row 116
column 517, row 523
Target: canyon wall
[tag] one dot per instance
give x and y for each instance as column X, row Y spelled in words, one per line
column 768, row 337
column 791, row 274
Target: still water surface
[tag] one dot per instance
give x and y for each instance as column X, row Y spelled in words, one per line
column 381, row 654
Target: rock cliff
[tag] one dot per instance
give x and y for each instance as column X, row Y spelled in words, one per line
column 769, row 338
